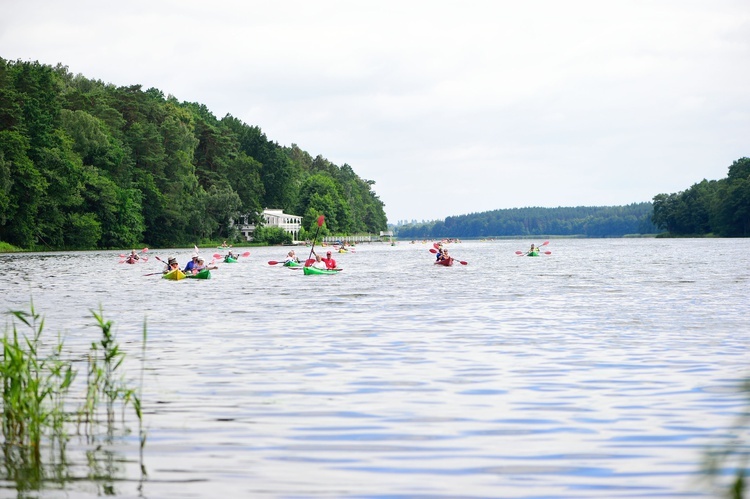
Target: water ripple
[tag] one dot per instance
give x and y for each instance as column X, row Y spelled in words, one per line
column 604, row 370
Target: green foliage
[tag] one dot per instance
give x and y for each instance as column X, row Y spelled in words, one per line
column 34, row 388
column 584, row 221
column 8, row 248
column 25, row 193
column 36, row 382
column 82, row 231
column 319, row 195
column 92, row 140
column 5, row 187
column 272, row 235
column 105, row 358
column 120, row 165
column 720, row 207
column 118, row 211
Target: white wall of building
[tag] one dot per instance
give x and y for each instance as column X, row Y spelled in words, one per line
column 274, row 218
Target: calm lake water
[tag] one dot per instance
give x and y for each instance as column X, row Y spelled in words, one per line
column 603, row 370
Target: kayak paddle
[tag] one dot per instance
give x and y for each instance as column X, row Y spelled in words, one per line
column 310, row 260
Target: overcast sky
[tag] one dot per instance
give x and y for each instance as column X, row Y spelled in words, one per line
column 450, row 107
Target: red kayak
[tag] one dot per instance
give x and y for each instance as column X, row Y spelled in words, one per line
column 447, row 262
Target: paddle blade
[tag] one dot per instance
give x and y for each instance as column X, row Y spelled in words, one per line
column 433, row 250
column 321, row 219
column 545, row 243
column 272, row 262
column 547, row 252
column 309, row 262
column 436, row 245
column 246, row 254
column 217, row 256
column 144, row 250
column 463, row 262
column 519, row 252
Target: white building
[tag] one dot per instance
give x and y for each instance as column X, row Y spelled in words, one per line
column 273, row 218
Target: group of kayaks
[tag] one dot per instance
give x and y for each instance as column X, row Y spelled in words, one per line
column 205, row 273
column 177, row 275
column 340, row 248
column 447, row 261
column 308, row 266
column 310, row 270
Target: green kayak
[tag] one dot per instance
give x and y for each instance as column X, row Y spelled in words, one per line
column 203, row 274
column 316, row 271
column 292, row 264
column 230, row 260
column 533, row 253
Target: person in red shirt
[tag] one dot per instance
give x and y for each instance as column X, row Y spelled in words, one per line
column 330, row 262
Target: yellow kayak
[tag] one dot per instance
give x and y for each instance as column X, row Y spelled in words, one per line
column 174, row 275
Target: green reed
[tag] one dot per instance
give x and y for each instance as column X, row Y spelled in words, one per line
column 36, row 382
column 103, row 381
column 34, row 387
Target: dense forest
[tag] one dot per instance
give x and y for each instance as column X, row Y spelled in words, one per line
column 580, row 221
column 716, row 207
column 85, row 164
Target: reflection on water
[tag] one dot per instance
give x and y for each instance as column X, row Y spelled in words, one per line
column 602, row 370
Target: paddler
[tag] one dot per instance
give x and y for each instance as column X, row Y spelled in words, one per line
column 329, row 261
